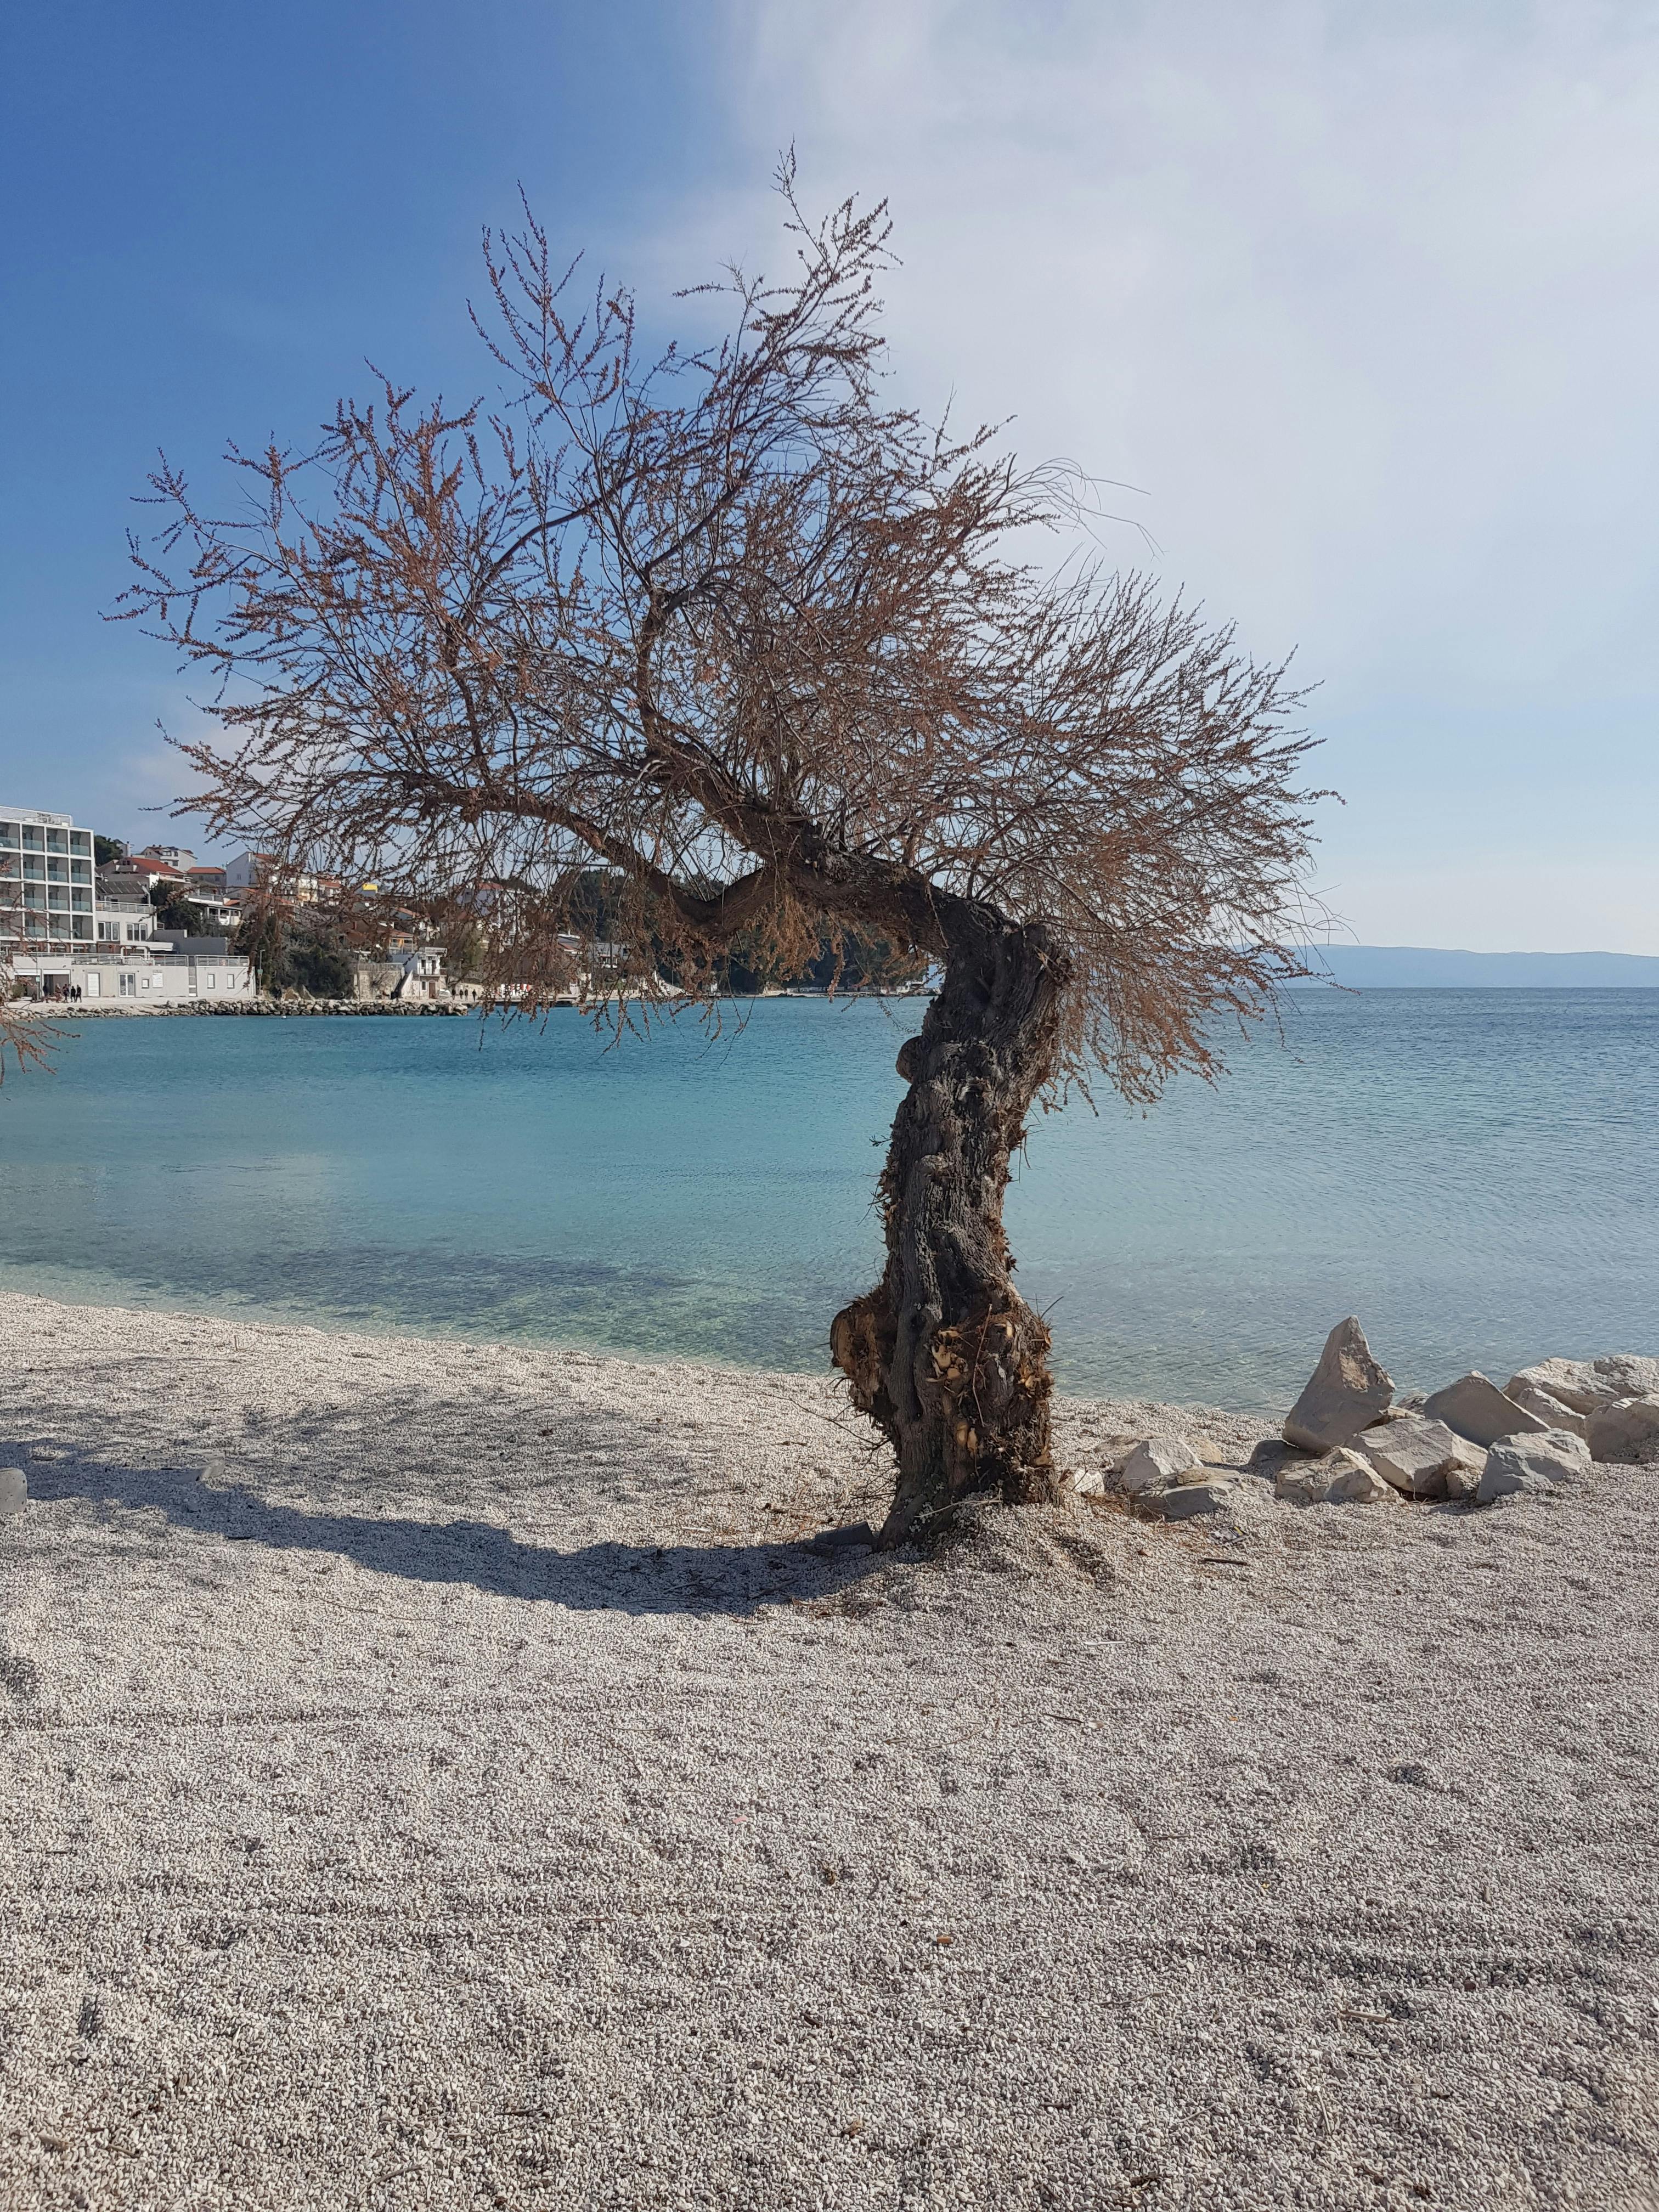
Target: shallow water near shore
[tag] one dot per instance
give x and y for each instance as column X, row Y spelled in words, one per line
column 1471, row 1172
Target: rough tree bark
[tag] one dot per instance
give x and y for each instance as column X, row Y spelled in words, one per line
column 943, row 1354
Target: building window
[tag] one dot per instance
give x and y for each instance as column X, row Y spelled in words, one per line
column 212, row 981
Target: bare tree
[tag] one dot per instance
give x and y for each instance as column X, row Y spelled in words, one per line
column 762, row 648
column 26, row 1036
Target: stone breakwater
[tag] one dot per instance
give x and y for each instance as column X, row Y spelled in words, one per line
column 1349, row 1441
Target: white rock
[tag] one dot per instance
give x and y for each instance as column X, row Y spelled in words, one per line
column 1627, row 1433
column 1414, row 1455
column 1183, row 1499
column 1090, row 1482
column 1588, row 1384
column 1478, row 1410
column 1361, row 1485
column 14, row 1491
column 1157, row 1461
column 1532, row 1463
column 1346, row 1392
column 1311, row 1481
column 1554, row 1412
column 1304, row 1481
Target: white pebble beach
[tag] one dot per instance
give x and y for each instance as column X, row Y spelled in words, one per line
column 468, row 1790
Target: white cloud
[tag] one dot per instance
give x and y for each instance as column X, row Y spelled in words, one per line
column 1363, row 298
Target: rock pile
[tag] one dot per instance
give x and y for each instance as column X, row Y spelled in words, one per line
column 1469, row 1440
column 1354, row 1443
column 1164, row 1475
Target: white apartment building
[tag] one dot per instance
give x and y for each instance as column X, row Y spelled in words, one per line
column 123, row 920
column 47, row 889
column 59, row 941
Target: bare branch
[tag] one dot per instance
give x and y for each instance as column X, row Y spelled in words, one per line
column 720, row 649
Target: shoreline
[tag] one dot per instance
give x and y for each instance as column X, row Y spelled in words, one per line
column 79, row 1010
column 76, row 1010
column 447, row 1774
column 1244, row 1425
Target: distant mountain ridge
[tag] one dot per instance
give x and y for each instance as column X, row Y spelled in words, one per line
column 1419, row 967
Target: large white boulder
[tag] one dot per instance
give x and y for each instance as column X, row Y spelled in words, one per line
column 1346, row 1393
column 1628, row 1433
column 1532, row 1463
column 1478, row 1410
column 1158, row 1462
column 1415, row 1454
column 1588, row 1384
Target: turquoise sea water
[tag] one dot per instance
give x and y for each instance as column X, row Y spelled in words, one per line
column 1475, row 1174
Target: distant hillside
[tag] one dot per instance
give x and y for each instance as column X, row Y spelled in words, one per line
column 1417, row 968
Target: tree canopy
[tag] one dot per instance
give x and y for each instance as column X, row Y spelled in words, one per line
column 726, row 621
column 780, row 657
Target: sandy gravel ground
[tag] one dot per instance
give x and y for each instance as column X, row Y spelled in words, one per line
column 476, row 1795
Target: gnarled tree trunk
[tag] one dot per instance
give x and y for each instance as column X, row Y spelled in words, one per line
column 943, row 1354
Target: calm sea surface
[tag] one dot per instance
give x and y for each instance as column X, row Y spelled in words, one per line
column 1475, row 1174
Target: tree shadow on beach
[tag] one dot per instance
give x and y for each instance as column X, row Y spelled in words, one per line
column 618, row 1578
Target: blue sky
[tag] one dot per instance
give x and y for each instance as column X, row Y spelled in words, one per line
column 1361, row 300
